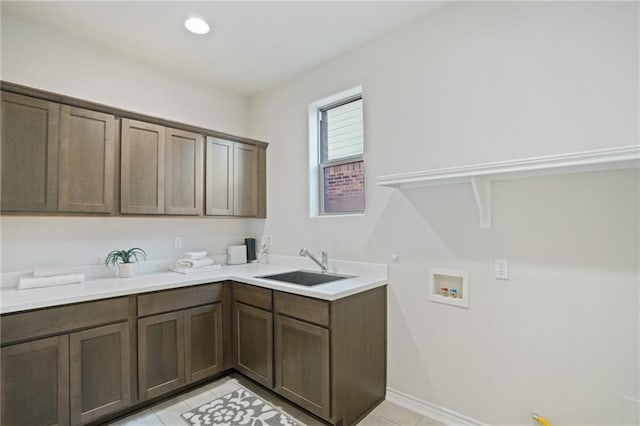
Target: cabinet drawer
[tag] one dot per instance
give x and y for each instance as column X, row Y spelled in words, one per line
column 181, row 298
column 303, row 308
column 62, row 319
column 251, row 295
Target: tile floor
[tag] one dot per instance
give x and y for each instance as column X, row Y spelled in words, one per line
column 167, row 413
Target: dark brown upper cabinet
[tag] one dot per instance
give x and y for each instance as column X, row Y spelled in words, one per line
column 235, row 179
column 66, row 155
column 56, row 157
column 86, row 162
column 184, row 172
column 142, row 168
column 29, row 154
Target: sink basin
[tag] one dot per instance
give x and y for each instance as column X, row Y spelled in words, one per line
column 307, row 278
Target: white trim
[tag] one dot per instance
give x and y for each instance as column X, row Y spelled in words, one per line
column 315, row 207
column 480, row 176
column 428, row 409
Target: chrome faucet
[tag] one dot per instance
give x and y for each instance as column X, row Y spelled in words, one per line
column 325, row 259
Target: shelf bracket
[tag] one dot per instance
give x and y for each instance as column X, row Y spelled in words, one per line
column 482, row 191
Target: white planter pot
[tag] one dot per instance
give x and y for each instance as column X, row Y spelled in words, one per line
column 126, row 270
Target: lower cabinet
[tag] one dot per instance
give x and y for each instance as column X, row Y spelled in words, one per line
column 99, row 371
column 203, row 342
column 253, row 343
column 73, row 377
column 160, row 354
column 329, row 357
column 302, row 364
column 177, row 348
column 35, row 383
column 69, row 379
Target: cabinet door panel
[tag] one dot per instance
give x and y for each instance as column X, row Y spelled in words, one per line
column 253, row 343
column 87, row 152
column 302, row 364
column 29, row 154
column 245, row 183
column 203, row 342
column 262, row 182
column 142, row 171
column 100, row 372
column 219, row 200
column 184, row 173
column 35, row 383
column 160, row 354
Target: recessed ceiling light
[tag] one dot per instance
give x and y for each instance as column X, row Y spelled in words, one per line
column 196, row 26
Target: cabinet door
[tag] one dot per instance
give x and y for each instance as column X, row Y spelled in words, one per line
column 29, row 154
column 160, row 354
column 302, row 364
column 219, row 199
column 86, row 161
column 262, row 182
column 184, row 172
column 142, row 168
column 35, row 383
column 245, row 180
column 253, row 343
column 203, row 342
column 100, row 372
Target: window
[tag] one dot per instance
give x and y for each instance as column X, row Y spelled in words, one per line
column 341, row 156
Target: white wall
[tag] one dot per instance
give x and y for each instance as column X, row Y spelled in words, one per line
column 472, row 83
column 39, row 57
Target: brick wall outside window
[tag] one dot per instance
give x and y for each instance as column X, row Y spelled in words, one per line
column 344, row 187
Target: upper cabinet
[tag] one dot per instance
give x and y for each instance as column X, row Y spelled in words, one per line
column 55, row 157
column 65, row 155
column 142, row 168
column 162, row 170
column 245, row 183
column 219, row 179
column 235, row 178
column 86, row 161
column 29, row 154
column 184, row 172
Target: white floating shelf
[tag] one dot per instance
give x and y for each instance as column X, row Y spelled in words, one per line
column 480, row 176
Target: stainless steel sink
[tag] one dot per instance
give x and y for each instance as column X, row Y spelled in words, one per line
column 308, row 278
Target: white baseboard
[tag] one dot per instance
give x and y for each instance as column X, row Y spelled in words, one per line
column 433, row 411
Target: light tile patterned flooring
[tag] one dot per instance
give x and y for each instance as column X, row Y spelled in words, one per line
column 167, row 413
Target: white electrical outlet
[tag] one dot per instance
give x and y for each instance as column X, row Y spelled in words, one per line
column 177, row 242
column 502, row 269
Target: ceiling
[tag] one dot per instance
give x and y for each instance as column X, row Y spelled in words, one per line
column 252, row 45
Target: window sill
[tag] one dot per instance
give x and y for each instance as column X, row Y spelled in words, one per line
column 324, row 216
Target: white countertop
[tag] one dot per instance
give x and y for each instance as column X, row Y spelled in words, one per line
column 14, row 300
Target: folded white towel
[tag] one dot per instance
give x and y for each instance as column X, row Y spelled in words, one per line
column 195, row 255
column 190, row 263
column 52, row 271
column 33, row 282
column 192, row 270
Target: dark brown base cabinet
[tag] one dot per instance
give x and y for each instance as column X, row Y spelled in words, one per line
column 330, row 357
column 72, row 378
column 87, row 362
column 253, row 333
column 35, row 382
column 188, row 340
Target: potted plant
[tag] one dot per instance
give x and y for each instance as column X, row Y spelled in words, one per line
column 125, row 261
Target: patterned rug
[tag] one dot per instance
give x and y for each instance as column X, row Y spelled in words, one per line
column 239, row 407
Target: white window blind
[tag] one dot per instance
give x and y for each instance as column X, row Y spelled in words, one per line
column 344, row 131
